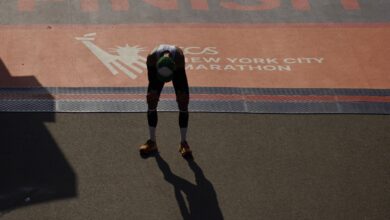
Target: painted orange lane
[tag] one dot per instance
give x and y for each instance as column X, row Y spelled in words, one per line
column 26, row 5
column 199, row 97
column 290, row 98
column 89, row 5
column 241, row 56
column 319, row 98
column 120, row 5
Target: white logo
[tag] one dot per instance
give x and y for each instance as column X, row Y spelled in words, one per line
column 126, row 60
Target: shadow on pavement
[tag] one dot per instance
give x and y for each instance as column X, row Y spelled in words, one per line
column 201, row 198
column 32, row 167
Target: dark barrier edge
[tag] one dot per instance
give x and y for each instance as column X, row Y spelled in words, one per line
column 31, row 105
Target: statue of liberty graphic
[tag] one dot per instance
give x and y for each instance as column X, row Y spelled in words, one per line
column 127, row 59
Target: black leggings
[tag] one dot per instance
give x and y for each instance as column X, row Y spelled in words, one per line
column 155, row 87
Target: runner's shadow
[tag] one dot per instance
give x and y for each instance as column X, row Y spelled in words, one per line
column 32, row 167
column 201, row 197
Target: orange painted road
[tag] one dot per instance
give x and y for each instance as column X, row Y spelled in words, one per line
column 259, row 56
column 268, row 58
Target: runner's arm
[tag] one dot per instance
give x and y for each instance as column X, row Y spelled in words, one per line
column 180, row 61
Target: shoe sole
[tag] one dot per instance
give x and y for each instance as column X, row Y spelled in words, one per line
column 144, row 152
column 187, row 156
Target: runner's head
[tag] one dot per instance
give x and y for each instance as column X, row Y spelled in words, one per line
column 165, row 68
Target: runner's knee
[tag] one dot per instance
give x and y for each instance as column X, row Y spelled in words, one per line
column 183, row 101
column 152, row 118
column 152, row 99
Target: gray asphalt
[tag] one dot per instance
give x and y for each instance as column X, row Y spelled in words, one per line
column 247, row 166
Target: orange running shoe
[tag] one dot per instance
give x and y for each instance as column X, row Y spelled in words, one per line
column 148, row 148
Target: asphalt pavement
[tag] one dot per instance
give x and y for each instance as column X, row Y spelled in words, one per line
column 246, row 166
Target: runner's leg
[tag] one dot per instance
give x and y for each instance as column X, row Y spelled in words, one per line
column 180, row 84
column 153, row 96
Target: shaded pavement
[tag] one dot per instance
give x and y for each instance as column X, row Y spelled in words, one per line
column 247, row 166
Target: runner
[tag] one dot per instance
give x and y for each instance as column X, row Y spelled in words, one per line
column 166, row 63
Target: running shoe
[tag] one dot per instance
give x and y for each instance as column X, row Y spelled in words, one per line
column 185, row 150
column 148, row 148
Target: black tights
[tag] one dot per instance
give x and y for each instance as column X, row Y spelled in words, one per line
column 155, row 87
column 153, row 119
